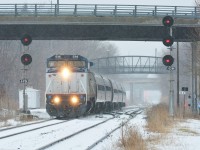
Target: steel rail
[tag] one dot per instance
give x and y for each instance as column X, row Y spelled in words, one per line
column 78, row 132
column 9, row 128
column 69, row 136
column 133, row 114
column 9, row 135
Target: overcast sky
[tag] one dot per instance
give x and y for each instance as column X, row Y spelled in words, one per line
column 127, row 47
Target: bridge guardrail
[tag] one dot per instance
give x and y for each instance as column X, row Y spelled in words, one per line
column 97, row 10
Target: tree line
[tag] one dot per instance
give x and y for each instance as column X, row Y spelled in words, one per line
column 11, row 67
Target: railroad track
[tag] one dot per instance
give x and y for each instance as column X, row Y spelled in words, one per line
column 23, row 129
column 132, row 114
column 25, row 139
column 64, row 139
column 19, row 126
column 46, row 137
column 69, row 136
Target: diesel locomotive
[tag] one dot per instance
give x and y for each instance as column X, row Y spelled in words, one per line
column 73, row 90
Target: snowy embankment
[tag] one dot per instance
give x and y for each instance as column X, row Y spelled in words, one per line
column 40, row 114
column 40, row 137
column 185, row 135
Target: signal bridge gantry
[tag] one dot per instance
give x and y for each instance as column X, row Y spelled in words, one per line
column 129, row 65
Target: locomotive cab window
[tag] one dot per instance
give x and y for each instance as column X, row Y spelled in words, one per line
column 55, row 64
column 78, row 64
column 71, row 63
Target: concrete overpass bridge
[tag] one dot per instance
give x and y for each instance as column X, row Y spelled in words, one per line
column 96, row 22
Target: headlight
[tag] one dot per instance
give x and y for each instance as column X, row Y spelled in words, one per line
column 74, row 100
column 65, row 72
column 56, row 100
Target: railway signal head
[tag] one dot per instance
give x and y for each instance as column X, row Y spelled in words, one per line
column 168, row 21
column 168, row 41
column 26, row 59
column 26, row 39
column 168, row 60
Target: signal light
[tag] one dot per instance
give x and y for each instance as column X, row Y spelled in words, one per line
column 26, row 40
column 168, row 21
column 168, row 60
column 26, row 59
column 168, row 41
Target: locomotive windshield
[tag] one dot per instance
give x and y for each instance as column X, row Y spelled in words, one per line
column 69, row 63
column 79, row 64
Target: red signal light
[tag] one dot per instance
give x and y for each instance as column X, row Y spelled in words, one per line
column 168, row 41
column 168, row 60
column 26, row 40
column 168, row 21
column 26, row 59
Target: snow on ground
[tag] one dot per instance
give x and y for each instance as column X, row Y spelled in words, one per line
column 85, row 139
column 35, row 139
column 185, row 135
column 40, row 113
column 110, row 144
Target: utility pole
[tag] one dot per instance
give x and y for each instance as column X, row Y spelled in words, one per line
column 171, row 101
column 194, row 79
column 24, row 92
column 178, row 102
column 195, row 75
column 24, row 81
column 58, row 3
column 192, row 96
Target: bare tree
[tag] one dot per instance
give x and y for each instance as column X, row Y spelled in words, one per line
column 9, row 53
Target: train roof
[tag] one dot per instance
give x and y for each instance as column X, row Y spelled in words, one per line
column 67, row 57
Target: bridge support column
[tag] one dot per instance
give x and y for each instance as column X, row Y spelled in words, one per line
column 141, row 96
column 138, row 96
column 131, row 93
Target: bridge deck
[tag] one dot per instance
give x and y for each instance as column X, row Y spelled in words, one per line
column 96, row 22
